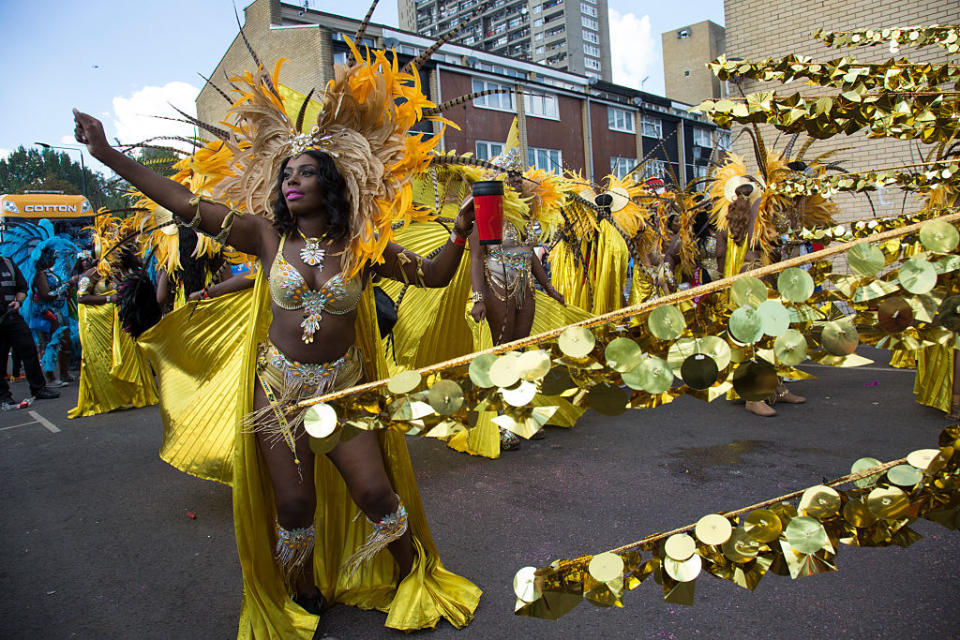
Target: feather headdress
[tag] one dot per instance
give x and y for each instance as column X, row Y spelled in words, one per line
column 362, row 120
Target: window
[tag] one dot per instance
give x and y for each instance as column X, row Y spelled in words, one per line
column 590, row 63
column 588, row 10
column 651, row 127
column 538, row 35
column 546, row 159
column 723, row 140
column 538, row 8
column 538, row 22
column 541, row 105
column 590, row 36
column 655, row 169
column 702, row 137
column 498, row 101
column 620, row 120
column 702, row 170
column 620, row 166
column 683, row 33
column 591, row 50
column 540, row 50
column 340, row 57
column 590, row 23
column 488, row 150
column 686, row 73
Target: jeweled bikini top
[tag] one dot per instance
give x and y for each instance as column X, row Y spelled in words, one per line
column 289, row 290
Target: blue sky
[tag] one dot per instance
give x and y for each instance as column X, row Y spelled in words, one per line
column 123, row 61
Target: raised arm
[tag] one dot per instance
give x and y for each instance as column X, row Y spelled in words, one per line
column 407, row 266
column 247, row 232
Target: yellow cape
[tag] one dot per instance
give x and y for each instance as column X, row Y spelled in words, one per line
column 113, row 372
column 229, row 333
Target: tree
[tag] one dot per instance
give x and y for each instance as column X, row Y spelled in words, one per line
column 48, row 169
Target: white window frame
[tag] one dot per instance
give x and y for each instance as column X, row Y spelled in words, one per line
column 703, row 137
column 651, row 127
column 495, row 101
column 587, row 9
column 541, row 105
column 724, row 140
column 589, row 23
column 621, row 120
column 591, row 49
column 547, row 159
column 591, row 63
column 620, row 166
column 487, row 150
column 590, row 36
column 655, row 169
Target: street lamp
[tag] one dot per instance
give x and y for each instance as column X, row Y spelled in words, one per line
column 83, row 167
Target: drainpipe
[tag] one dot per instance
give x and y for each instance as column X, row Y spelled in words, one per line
column 587, row 138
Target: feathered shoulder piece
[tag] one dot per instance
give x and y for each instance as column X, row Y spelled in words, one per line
column 723, row 186
column 106, row 232
column 545, row 199
column 362, row 119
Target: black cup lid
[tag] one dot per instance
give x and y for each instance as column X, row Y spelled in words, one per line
column 488, row 188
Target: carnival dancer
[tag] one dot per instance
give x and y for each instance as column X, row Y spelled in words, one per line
column 113, row 372
column 757, row 227
column 319, row 202
column 48, row 311
column 590, row 264
column 502, row 302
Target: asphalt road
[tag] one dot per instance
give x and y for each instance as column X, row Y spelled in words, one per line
column 95, row 540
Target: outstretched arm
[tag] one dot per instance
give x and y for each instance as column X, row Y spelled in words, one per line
column 407, row 266
column 234, row 283
column 247, row 231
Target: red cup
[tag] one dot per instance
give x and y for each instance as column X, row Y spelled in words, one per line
column 488, row 209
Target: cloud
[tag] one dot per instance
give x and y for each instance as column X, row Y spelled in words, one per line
column 134, row 118
column 4, row 153
column 634, row 51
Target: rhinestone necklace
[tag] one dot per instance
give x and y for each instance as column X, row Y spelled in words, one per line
column 311, row 253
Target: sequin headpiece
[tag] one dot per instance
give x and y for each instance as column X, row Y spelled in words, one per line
column 510, row 159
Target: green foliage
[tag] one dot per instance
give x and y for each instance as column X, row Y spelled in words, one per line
column 49, row 169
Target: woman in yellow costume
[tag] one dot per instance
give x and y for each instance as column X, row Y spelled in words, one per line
column 591, row 263
column 757, row 227
column 113, row 371
column 319, row 200
column 432, row 326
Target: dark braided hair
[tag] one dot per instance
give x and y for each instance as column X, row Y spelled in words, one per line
column 335, row 198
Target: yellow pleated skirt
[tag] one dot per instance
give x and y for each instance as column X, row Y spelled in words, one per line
column 933, row 385
column 206, row 353
column 113, row 371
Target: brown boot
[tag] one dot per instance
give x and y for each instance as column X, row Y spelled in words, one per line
column 761, row 409
column 785, row 395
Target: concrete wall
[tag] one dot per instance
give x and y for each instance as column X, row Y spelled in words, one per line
column 685, row 74
column 757, row 29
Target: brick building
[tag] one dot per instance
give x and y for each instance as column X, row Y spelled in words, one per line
column 757, row 29
column 572, row 36
column 567, row 120
column 686, row 52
